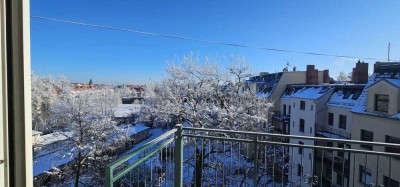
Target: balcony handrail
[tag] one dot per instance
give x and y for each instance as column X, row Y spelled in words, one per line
column 294, row 145
column 174, row 139
column 111, row 178
column 293, row 137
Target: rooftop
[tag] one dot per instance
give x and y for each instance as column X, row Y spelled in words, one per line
column 306, row 92
column 384, row 71
column 54, row 137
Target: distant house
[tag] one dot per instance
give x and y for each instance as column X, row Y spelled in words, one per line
column 124, row 114
column 50, row 143
column 135, row 133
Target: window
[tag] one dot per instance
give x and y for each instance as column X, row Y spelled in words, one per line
column 330, row 118
column 312, row 107
column 290, row 108
column 381, row 103
column 293, row 123
column 329, row 144
column 339, row 179
column 300, row 151
column 284, row 110
column 391, row 139
column 294, row 104
column 310, row 130
column 342, row 121
column 340, row 153
column 301, row 127
column 367, row 136
column 365, row 175
column 388, row 182
column 299, row 169
column 302, row 105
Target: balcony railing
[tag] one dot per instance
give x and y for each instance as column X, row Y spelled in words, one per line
column 326, row 128
column 186, row 156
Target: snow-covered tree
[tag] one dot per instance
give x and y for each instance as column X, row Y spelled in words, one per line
column 43, row 98
column 93, row 132
column 125, row 91
column 196, row 91
column 343, row 76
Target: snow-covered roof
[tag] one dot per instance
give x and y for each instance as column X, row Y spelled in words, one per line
column 125, row 110
column 390, row 76
column 265, row 83
column 330, row 135
column 394, row 82
column 53, row 160
column 36, row 132
column 306, row 92
column 345, row 97
column 54, row 137
column 133, row 129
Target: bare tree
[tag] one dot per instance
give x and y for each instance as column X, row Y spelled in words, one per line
column 343, row 76
column 196, row 91
column 93, row 132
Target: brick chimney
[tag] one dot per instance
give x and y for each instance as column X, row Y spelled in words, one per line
column 326, row 77
column 311, row 75
column 360, row 73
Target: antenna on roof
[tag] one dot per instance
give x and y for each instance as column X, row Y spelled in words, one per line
column 389, row 52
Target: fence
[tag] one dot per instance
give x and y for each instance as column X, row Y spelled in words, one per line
column 187, row 156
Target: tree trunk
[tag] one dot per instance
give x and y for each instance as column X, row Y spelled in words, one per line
column 199, row 160
column 78, row 170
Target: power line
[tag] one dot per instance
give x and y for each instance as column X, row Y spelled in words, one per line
column 197, row 39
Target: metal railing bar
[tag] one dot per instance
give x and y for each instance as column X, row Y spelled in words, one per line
column 330, row 148
column 137, row 151
column 354, row 168
column 291, row 166
column 218, row 138
column 141, row 160
column 292, row 136
column 332, row 167
column 295, row 145
column 322, row 167
column 377, row 170
column 390, row 168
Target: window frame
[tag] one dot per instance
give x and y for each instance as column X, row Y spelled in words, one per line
column 367, row 171
column 302, row 105
column 342, row 121
column 392, row 149
column 302, row 124
column 329, row 118
column 16, row 83
column 378, row 101
column 300, row 149
column 362, row 138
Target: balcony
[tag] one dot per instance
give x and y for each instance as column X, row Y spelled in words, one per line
column 326, row 128
column 187, row 156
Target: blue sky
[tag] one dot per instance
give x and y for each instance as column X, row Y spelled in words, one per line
column 355, row 28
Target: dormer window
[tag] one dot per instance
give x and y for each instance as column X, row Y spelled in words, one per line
column 381, row 103
column 302, row 105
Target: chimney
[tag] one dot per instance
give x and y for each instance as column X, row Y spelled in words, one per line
column 360, row 73
column 311, row 75
column 326, row 77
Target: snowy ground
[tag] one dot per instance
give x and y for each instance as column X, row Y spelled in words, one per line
column 125, row 110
